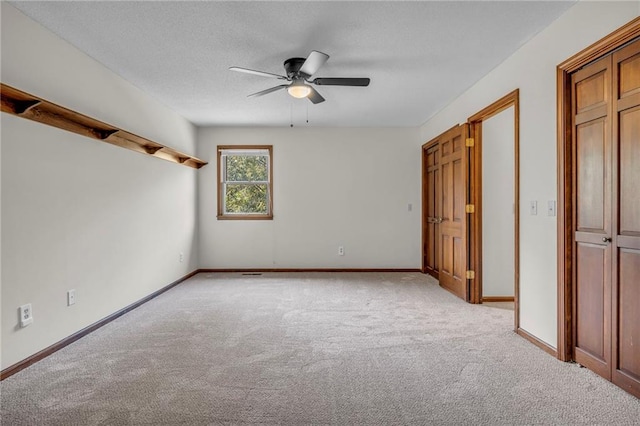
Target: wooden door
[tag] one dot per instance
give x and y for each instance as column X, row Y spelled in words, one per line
column 606, row 217
column 453, row 228
column 592, row 216
column 432, row 184
column 626, row 224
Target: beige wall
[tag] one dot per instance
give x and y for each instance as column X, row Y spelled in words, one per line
column 77, row 213
column 533, row 69
column 332, row 187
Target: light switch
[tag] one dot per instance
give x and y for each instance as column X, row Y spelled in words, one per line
column 551, row 208
column 533, row 208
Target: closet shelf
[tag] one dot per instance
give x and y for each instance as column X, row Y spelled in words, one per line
column 25, row 105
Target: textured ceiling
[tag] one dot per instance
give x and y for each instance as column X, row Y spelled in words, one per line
column 419, row 55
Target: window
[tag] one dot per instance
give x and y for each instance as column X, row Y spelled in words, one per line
column 245, row 182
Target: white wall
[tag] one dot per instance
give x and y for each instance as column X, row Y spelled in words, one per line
column 332, row 187
column 77, row 213
column 498, row 220
column 533, row 69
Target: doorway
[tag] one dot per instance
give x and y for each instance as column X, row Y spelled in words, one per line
column 599, row 224
column 452, row 225
column 495, row 194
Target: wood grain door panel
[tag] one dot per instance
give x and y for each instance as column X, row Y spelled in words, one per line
column 453, row 229
column 432, row 184
column 629, row 164
column 592, row 159
column 591, row 87
column 628, row 324
column 626, row 223
column 592, row 252
column 628, row 63
column 593, row 308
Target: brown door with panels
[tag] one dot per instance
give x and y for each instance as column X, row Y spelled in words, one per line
column 453, row 200
column 592, row 216
column 605, row 97
column 626, row 228
column 432, row 208
column 445, row 185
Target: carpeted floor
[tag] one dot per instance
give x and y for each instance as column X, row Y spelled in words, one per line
column 314, row 348
column 500, row 305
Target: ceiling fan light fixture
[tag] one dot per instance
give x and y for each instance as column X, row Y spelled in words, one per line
column 299, row 72
column 298, row 89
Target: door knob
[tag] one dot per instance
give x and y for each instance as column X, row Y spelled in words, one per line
column 440, row 219
column 606, row 239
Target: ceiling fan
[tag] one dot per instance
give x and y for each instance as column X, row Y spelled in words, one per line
column 299, row 72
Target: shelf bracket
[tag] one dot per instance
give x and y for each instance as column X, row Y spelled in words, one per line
column 152, row 149
column 104, row 134
column 20, row 107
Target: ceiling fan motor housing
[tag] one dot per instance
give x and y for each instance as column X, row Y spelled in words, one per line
column 292, row 66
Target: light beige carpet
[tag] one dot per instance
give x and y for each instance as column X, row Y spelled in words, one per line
column 500, row 305
column 319, row 348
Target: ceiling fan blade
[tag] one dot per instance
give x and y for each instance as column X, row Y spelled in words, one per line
column 313, row 63
column 265, row 92
column 315, row 97
column 363, row 82
column 260, row 73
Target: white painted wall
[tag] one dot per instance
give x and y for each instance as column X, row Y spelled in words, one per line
column 533, row 69
column 81, row 214
column 498, row 220
column 332, row 187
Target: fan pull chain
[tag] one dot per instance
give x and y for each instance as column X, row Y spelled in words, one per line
column 307, row 112
column 291, row 112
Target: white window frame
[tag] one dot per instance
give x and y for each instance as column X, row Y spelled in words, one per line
column 247, row 150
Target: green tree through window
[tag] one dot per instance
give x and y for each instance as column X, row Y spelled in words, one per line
column 245, row 184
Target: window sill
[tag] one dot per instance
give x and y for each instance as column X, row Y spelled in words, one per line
column 245, row 217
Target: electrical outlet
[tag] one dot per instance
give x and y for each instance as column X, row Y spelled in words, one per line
column 409, row 207
column 26, row 315
column 181, row 257
column 533, row 208
column 71, row 297
column 340, row 250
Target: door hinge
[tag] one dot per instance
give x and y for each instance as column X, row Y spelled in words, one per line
column 471, row 275
column 470, row 208
column 470, row 142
